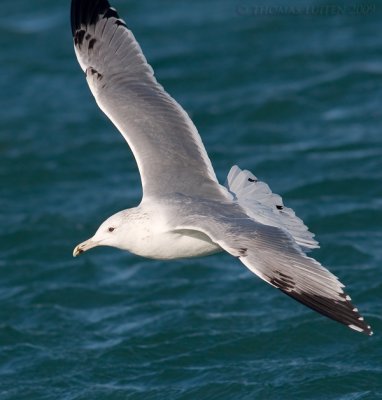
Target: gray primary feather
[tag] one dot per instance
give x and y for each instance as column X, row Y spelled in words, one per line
column 166, row 145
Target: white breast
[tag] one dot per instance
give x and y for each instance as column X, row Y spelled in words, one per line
column 179, row 244
column 147, row 232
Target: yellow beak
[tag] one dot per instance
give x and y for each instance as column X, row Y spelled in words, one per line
column 84, row 246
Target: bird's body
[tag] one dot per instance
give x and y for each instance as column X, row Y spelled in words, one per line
column 154, row 235
column 184, row 211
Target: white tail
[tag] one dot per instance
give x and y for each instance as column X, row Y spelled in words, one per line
column 266, row 207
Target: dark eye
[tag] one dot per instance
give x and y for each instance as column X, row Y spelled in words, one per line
column 111, row 229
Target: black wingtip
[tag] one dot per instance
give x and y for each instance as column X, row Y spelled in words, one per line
column 342, row 311
column 366, row 329
column 86, row 12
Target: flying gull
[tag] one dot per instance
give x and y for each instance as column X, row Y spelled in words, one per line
column 184, row 211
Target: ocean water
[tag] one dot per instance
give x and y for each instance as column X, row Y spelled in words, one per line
column 292, row 92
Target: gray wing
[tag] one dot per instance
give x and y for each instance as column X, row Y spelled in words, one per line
column 166, row 145
column 274, row 256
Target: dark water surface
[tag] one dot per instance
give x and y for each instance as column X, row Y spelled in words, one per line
column 295, row 98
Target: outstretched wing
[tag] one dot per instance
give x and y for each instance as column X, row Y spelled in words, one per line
column 272, row 254
column 166, row 145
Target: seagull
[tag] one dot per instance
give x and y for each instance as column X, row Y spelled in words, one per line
column 184, row 211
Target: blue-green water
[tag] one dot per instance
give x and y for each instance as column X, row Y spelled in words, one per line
column 296, row 99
